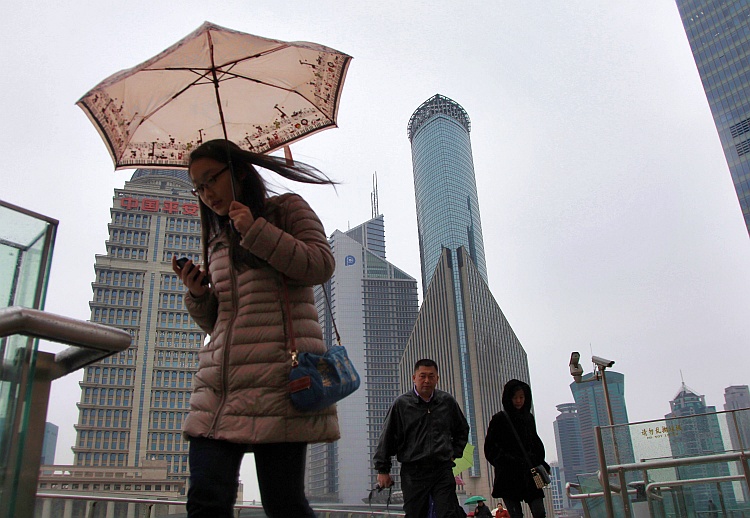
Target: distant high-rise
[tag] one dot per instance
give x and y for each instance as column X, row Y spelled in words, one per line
column 719, row 37
column 737, row 398
column 374, row 305
column 557, row 485
column 569, row 447
column 460, row 325
column 133, row 403
column 592, row 411
column 699, row 434
column 49, row 445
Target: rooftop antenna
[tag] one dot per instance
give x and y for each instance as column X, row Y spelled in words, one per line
column 374, row 196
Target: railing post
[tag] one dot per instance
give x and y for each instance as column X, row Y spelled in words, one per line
column 604, row 473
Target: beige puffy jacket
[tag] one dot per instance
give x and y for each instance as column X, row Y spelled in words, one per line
column 240, row 390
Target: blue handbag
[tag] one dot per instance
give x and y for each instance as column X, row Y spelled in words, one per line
column 317, row 381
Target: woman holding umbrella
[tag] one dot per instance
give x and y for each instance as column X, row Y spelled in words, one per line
column 512, row 446
column 262, row 254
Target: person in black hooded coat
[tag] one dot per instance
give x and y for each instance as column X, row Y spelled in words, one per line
column 513, row 480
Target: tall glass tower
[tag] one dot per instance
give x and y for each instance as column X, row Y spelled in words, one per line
column 460, row 325
column 444, row 184
column 719, row 36
column 591, row 408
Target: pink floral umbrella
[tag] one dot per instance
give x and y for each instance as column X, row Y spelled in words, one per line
column 216, row 83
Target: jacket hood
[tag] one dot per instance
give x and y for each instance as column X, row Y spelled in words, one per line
column 511, row 388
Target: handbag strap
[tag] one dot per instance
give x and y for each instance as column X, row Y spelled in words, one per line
column 289, row 326
column 289, row 320
column 520, row 444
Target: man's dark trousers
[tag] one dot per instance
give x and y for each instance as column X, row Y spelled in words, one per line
column 420, row 480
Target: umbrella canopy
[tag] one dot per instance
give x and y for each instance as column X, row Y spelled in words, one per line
column 216, row 83
column 465, row 461
column 474, row 499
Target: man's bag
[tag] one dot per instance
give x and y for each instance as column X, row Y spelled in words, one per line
column 318, row 381
column 540, row 476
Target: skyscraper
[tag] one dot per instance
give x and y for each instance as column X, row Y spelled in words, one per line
column 569, row 447
column 460, row 325
column 719, row 37
column 374, row 305
column 49, row 445
column 700, row 434
column 133, row 403
column 445, row 187
column 592, row 411
column 737, row 398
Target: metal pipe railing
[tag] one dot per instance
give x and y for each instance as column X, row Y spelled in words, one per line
column 150, row 503
column 89, row 342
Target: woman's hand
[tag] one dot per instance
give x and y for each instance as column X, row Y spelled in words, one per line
column 191, row 276
column 241, row 217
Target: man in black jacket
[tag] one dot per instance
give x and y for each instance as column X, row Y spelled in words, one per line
column 426, row 430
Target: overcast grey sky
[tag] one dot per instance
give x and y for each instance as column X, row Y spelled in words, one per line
column 610, row 221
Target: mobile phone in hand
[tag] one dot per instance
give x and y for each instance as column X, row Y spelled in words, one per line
column 181, row 263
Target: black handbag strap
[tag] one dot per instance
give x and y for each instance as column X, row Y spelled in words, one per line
column 520, row 444
column 289, row 320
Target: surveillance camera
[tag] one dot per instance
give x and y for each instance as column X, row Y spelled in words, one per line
column 575, row 368
column 602, row 362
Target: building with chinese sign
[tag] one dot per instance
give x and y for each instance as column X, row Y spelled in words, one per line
column 719, row 37
column 133, row 404
column 460, row 325
column 375, row 305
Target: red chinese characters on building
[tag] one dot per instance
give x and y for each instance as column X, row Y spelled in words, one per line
column 153, row 205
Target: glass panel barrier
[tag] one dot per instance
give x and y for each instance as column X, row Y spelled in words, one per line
column 690, row 466
column 26, row 243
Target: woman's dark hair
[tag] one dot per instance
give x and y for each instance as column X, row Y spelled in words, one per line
column 249, row 189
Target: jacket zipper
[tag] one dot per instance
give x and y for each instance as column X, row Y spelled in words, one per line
column 225, row 355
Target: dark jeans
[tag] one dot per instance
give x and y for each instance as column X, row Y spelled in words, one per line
column 420, row 482
column 215, row 471
column 516, row 511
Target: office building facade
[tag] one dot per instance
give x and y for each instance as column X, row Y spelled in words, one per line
column 737, row 399
column 133, row 404
column 374, row 305
column 719, row 37
column 460, row 324
column 49, row 444
column 567, row 428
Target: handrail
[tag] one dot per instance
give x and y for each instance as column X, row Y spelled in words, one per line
column 89, row 342
column 688, row 482
column 150, row 501
column 685, row 461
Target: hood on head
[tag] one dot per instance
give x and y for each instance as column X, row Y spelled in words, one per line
column 511, row 388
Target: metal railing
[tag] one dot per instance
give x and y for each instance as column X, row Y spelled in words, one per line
column 88, row 343
column 715, row 469
column 150, row 506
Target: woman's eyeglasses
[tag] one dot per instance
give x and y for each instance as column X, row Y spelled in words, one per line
column 201, row 187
